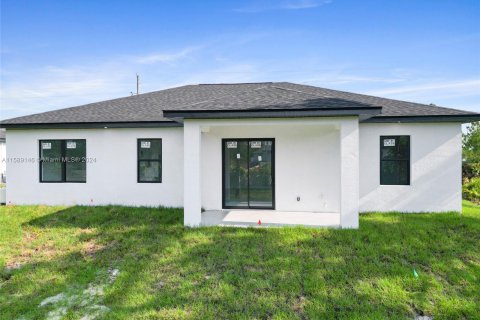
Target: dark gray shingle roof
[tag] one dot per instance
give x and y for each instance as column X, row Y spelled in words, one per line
column 390, row 107
column 149, row 107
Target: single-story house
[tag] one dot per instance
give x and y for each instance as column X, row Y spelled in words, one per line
column 284, row 152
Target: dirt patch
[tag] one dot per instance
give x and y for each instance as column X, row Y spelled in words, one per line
column 48, row 250
column 12, row 265
column 20, row 260
column 84, row 231
column 29, row 236
column 91, row 248
column 29, row 253
column 299, row 304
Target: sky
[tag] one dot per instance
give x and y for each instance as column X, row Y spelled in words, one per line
column 57, row 54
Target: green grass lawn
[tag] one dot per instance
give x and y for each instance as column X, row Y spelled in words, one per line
column 123, row 263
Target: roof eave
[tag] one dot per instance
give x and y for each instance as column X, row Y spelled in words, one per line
column 179, row 115
column 90, row 125
column 462, row 118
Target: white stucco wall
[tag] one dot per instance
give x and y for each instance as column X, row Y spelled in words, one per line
column 435, row 171
column 3, row 155
column 307, row 165
column 307, row 156
column 111, row 179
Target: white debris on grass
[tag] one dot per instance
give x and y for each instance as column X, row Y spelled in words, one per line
column 423, row 317
column 93, row 290
column 113, row 274
column 86, row 303
column 95, row 311
column 53, row 299
column 57, row 314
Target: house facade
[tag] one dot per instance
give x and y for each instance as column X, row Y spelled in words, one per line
column 286, row 149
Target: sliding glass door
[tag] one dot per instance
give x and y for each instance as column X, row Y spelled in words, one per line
column 248, row 173
column 235, row 175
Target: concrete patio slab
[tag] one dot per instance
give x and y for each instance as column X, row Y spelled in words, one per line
column 269, row 218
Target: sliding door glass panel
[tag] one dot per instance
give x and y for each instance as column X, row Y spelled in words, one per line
column 260, row 174
column 236, row 173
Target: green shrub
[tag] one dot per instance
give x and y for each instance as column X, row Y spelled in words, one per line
column 470, row 170
column 471, row 190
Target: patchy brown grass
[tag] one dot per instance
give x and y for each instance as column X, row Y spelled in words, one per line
column 30, row 236
column 299, row 304
column 84, row 231
column 90, row 248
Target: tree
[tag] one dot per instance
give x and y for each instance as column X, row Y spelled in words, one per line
column 471, row 151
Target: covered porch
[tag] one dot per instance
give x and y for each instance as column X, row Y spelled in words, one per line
column 309, row 172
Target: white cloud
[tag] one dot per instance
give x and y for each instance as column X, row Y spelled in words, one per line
column 236, row 72
column 335, row 79
column 261, row 6
column 472, row 85
column 444, row 89
column 41, row 89
column 305, row 4
column 462, row 93
column 31, row 90
column 53, row 87
column 165, row 57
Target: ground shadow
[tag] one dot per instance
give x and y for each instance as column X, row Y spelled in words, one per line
column 169, row 271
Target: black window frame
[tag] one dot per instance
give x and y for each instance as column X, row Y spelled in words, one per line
column 160, row 160
column 63, row 156
column 224, row 142
column 406, row 159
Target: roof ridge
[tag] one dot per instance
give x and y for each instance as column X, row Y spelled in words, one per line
column 299, row 91
column 233, row 83
column 220, row 97
column 319, row 95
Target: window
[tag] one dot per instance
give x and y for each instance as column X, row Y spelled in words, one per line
column 395, row 160
column 149, row 160
column 63, row 161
